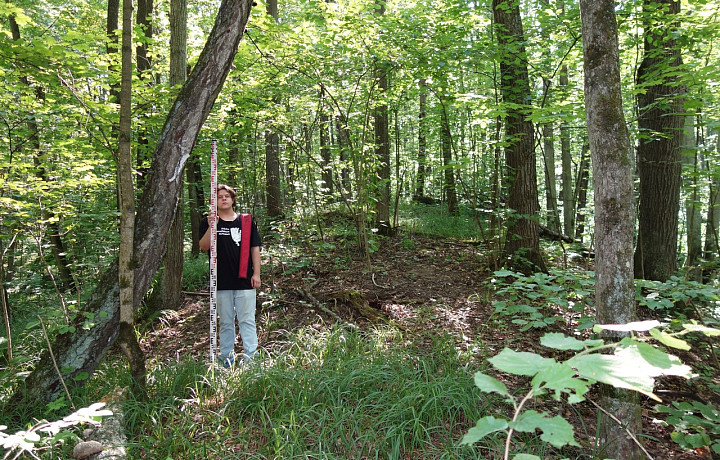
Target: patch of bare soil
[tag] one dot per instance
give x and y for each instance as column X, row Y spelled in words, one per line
column 417, row 283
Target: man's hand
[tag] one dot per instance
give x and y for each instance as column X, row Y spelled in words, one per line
column 255, row 281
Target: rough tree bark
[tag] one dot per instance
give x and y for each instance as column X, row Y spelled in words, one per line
column 614, row 210
column 553, row 217
column 449, row 189
column 168, row 294
column 144, row 67
column 693, row 217
column 196, row 196
column 422, row 142
column 272, row 149
column 127, row 339
column 83, row 350
column 111, row 29
column 712, row 225
column 582, row 184
column 325, row 148
column 661, row 122
column 522, row 244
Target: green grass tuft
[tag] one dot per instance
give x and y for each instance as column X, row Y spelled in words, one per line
column 334, row 395
column 434, row 220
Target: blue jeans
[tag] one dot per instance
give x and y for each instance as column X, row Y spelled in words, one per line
column 240, row 303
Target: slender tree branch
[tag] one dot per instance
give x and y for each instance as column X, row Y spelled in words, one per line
column 52, row 355
column 615, row 419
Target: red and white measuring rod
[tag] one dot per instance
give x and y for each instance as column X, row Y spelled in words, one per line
column 213, row 251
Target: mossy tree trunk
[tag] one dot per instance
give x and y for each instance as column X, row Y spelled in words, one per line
column 614, row 210
column 127, row 339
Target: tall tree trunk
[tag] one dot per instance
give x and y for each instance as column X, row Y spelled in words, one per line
column 325, row 153
column 548, row 134
column 614, row 210
column 83, row 350
column 422, row 142
column 692, row 202
column 169, row 289
column 581, row 189
column 382, row 142
column 193, row 172
column 143, row 68
column 661, row 130
column 449, row 188
column 382, row 154
column 112, row 28
column 553, row 219
column 272, row 149
column 495, row 221
column 343, row 137
column 196, row 197
column 712, row 226
column 566, row 160
column 272, row 173
column 522, row 244
column 127, row 338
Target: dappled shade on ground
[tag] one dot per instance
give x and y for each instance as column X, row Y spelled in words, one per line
column 417, row 284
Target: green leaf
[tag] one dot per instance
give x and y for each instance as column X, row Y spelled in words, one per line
column 528, row 421
column 657, row 361
column 560, row 377
column 633, row 366
column 560, row 341
column 484, row 427
column 704, row 329
column 59, row 403
column 669, row 340
column 526, row 457
column 614, row 370
column 558, row 432
column 490, row 384
column 520, row 363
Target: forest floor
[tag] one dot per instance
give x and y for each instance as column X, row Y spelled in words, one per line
column 418, row 284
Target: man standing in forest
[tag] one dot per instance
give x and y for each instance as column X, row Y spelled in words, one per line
column 238, row 274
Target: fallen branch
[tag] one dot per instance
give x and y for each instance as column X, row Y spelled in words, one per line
column 555, row 236
column 317, row 304
column 195, row 293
